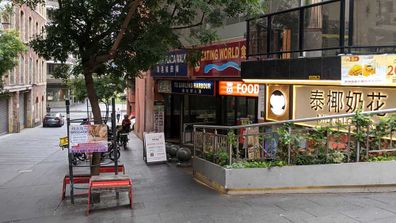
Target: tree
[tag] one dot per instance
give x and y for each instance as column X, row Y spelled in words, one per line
column 106, row 87
column 10, row 43
column 124, row 37
column 10, row 47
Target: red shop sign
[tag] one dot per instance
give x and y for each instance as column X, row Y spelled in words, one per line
column 221, row 60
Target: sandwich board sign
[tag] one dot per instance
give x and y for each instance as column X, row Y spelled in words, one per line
column 154, row 148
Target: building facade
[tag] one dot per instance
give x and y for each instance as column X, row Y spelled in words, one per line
column 23, row 100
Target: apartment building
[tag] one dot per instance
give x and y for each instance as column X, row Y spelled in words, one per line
column 23, row 99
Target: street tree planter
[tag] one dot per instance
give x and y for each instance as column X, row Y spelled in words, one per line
column 344, row 177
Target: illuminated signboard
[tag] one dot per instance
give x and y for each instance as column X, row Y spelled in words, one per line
column 221, row 60
column 368, row 70
column 194, row 87
column 238, row 88
column 277, row 102
column 173, row 65
column 319, row 101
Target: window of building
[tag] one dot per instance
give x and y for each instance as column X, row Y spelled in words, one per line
column 22, row 25
column 30, row 27
column 30, row 75
column 21, row 69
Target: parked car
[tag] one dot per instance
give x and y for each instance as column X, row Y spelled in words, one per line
column 53, row 119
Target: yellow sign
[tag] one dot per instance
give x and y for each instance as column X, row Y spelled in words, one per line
column 368, row 70
column 320, row 101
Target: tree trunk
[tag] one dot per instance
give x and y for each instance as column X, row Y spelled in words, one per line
column 93, row 99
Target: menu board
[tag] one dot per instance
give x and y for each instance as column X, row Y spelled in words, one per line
column 154, row 146
column 88, row 138
column 159, row 116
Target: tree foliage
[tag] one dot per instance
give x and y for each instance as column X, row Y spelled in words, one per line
column 10, row 47
column 124, row 37
column 106, row 87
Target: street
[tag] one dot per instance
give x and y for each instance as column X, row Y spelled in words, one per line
column 33, row 167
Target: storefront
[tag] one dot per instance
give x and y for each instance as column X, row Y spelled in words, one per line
column 365, row 83
column 239, row 102
column 187, row 102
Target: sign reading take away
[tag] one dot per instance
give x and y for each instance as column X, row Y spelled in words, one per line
column 238, row 88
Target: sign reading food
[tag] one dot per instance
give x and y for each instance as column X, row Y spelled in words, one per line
column 368, row 70
column 221, row 60
column 88, row 138
column 238, row 88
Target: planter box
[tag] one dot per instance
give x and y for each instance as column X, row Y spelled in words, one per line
column 345, row 177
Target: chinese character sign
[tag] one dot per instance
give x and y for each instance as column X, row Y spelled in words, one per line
column 194, row 87
column 173, row 65
column 221, row 60
column 316, row 101
column 368, row 70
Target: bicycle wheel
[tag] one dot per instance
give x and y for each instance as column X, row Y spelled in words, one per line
column 118, row 154
column 81, row 156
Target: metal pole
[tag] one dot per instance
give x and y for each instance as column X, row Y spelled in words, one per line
column 289, row 149
column 87, row 108
column 350, row 25
column 342, row 26
column 69, row 152
column 357, row 144
column 195, row 141
column 113, row 129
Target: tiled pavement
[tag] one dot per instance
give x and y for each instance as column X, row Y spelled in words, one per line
column 32, row 168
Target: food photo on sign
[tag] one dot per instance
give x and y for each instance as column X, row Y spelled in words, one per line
column 88, row 138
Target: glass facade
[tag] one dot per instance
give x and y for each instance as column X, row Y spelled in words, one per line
column 323, row 28
column 374, row 24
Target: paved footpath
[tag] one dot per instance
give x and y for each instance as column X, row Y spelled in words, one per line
column 32, row 168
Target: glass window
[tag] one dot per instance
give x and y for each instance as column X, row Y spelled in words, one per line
column 374, row 24
column 228, row 116
column 284, row 34
column 202, row 109
column 321, row 28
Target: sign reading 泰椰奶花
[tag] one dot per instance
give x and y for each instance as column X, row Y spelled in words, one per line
column 368, row 70
column 88, row 138
column 319, row 101
column 173, row 65
column 193, row 87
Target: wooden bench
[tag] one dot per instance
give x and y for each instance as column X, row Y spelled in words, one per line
column 110, row 182
column 84, row 178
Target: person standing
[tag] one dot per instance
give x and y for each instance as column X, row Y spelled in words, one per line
column 48, row 108
column 118, row 115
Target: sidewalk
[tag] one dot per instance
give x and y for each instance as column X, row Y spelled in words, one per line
column 161, row 193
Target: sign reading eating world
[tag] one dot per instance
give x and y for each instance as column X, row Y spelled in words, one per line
column 193, row 87
column 174, row 65
column 222, row 60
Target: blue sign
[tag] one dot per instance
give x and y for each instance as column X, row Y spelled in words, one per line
column 174, row 65
column 194, row 87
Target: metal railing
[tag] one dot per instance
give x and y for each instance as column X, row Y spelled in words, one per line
column 331, row 139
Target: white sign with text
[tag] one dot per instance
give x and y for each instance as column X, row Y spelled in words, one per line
column 155, row 147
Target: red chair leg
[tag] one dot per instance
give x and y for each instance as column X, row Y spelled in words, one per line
column 64, row 189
